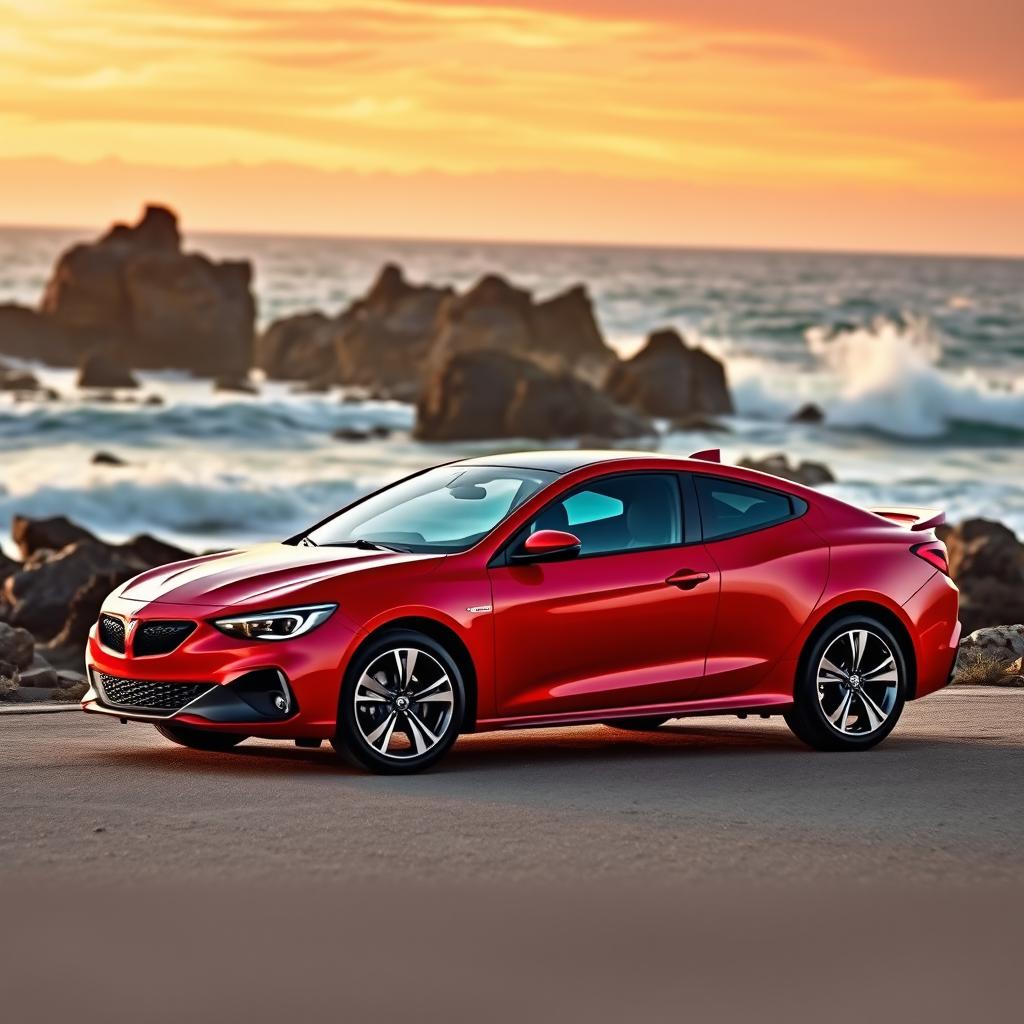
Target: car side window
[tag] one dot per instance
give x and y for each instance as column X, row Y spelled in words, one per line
column 728, row 507
column 620, row 513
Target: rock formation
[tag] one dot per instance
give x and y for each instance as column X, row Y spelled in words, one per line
column 28, row 334
column 485, row 393
column 810, row 474
column 383, row 341
column 986, row 560
column 669, row 378
column 559, row 333
column 136, row 292
column 992, row 657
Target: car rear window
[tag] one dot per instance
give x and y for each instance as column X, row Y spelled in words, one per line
column 728, row 507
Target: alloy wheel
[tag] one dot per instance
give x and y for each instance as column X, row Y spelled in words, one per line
column 404, row 703
column 858, row 682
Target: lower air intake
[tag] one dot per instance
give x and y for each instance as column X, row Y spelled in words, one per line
column 142, row 695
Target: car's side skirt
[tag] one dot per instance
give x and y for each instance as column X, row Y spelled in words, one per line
column 711, row 706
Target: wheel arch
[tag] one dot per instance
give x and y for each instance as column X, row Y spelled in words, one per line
column 449, row 640
column 876, row 610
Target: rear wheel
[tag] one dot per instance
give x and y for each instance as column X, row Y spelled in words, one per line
column 646, row 724
column 402, row 704
column 852, row 686
column 200, row 739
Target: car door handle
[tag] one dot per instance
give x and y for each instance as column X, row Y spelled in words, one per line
column 687, row 579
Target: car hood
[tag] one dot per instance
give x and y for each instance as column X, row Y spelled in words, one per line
column 267, row 573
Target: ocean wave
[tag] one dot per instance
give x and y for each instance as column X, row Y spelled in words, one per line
column 266, row 422
column 885, row 377
column 236, row 508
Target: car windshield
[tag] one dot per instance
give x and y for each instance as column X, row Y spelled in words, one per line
column 447, row 509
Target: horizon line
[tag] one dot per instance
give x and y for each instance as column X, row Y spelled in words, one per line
column 546, row 242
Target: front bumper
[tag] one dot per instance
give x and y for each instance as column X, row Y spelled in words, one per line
column 274, row 689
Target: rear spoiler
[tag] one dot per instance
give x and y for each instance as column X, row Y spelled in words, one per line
column 912, row 518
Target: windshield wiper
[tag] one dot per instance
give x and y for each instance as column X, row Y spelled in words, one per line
column 368, row 545
column 308, row 542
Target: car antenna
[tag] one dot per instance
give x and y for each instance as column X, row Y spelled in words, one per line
column 708, row 455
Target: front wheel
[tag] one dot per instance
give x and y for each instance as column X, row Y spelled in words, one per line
column 851, row 688
column 200, row 739
column 402, row 704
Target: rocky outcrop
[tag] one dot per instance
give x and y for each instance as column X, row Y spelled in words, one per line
column 27, row 334
column 23, row 384
column 810, row 474
column 669, row 378
column 32, row 535
column 808, row 413
column 84, row 609
column 383, row 341
column 17, row 646
column 102, row 369
column 489, row 394
column 107, row 459
column 991, row 657
column 299, row 347
column 986, row 560
column 62, row 562
column 560, row 333
column 40, row 593
column 136, row 291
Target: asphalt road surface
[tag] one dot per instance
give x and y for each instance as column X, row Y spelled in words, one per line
column 709, row 869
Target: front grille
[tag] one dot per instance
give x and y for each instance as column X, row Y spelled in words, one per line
column 111, row 630
column 159, row 698
column 160, row 637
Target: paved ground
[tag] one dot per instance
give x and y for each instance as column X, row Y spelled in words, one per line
column 690, row 857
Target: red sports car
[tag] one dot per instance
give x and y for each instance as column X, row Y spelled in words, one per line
column 544, row 588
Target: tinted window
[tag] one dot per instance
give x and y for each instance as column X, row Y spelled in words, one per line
column 728, row 507
column 446, row 509
column 621, row 513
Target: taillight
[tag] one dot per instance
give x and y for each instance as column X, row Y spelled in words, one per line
column 934, row 553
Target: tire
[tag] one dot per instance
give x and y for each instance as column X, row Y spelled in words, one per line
column 851, row 686
column 200, row 739
column 646, row 724
column 382, row 725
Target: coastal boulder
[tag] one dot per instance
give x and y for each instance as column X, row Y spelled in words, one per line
column 567, row 329
column 32, row 535
column 27, row 334
column 102, row 369
column 383, row 340
column 669, row 378
column 39, row 595
column 135, row 290
column 559, row 333
column 62, row 559
column 810, row 474
column 299, row 347
column 986, row 561
column 17, row 646
column 991, row 657
column 480, row 394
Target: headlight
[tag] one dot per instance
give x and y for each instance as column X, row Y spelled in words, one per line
column 277, row 625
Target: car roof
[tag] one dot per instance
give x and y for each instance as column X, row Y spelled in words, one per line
column 564, row 461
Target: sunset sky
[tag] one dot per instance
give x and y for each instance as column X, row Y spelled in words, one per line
column 872, row 125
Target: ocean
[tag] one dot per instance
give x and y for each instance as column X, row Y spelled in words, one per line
column 917, row 361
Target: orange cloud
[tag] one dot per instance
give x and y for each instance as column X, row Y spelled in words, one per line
column 755, row 99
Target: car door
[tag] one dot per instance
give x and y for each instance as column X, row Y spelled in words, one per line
column 626, row 623
column 773, row 570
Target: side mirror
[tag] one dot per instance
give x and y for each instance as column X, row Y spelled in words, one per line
column 547, row 546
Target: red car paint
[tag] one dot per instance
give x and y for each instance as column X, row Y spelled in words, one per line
column 701, row 627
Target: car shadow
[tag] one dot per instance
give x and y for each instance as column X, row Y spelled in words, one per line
column 581, row 746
